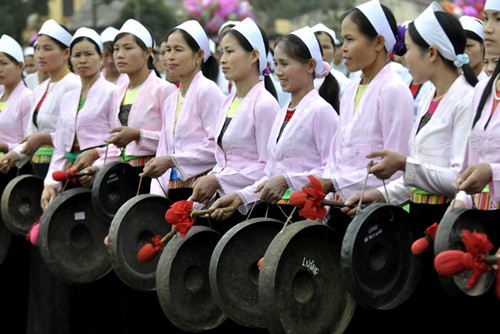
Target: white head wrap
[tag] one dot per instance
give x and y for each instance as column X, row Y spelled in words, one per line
column 11, row 47
column 492, row 5
column 431, row 31
column 54, row 30
column 472, row 24
column 109, row 34
column 196, row 31
column 135, row 28
column 320, row 27
column 225, row 24
column 375, row 14
column 29, row 51
column 89, row 33
column 307, row 36
column 249, row 29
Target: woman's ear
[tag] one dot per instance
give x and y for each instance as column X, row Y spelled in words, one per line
column 379, row 43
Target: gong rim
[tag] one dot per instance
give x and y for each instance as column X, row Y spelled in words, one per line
column 182, row 283
column 71, row 238
column 136, row 222
column 114, row 184
column 234, row 273
column 21, row 208
column 449, row 237
column 301, row 288
column 379, row 267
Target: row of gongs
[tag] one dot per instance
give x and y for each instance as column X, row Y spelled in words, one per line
column 308, row 281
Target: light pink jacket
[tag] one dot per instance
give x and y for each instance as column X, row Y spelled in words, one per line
column 91, row 124
column 484, row 144
column 49, row 112
column 436, row 153
column 383, row 119
column 15, row 116
column 243, row 155
column 145, row 114
column 303, row 147
column 191, row 145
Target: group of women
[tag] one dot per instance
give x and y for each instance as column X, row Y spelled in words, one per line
column 104, row 101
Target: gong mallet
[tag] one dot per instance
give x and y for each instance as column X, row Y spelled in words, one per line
column 181, row 224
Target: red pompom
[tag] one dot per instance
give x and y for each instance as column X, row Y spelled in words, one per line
column 179, row 211
column 146, row 253
column 149, row 251
column 60, row 175
column 420, row 245
column 453, row 262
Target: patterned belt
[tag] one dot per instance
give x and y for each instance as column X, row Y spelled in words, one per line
column 175, row 184
column 140, row 161
column 429, row 199
column 482, row 201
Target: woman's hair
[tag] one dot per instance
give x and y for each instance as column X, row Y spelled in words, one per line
column 108, row 46
column 245, row 44
column 367, row 29
column 83, row 38
column 144, row 48
column 209, row 68
column 486, row 94
column 456, row 34
column 296, row 49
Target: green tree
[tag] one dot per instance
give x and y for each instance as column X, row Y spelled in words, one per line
column 154, row 15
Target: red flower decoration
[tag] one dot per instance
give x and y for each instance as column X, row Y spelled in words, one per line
column 310, row 200
column 179, row 215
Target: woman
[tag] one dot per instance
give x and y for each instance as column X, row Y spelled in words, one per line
column 329, row 43
column 186, row 149
column 15, row 101
column 245, row 117
column 302, row 132
column 436, row 148
column 475, row 44
column 377, row 111
column 137, row 123
column 15, row 106
column 89, row 113
column 109, row 70
column 47, row 312
column 477, row 183
column 52, row 51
